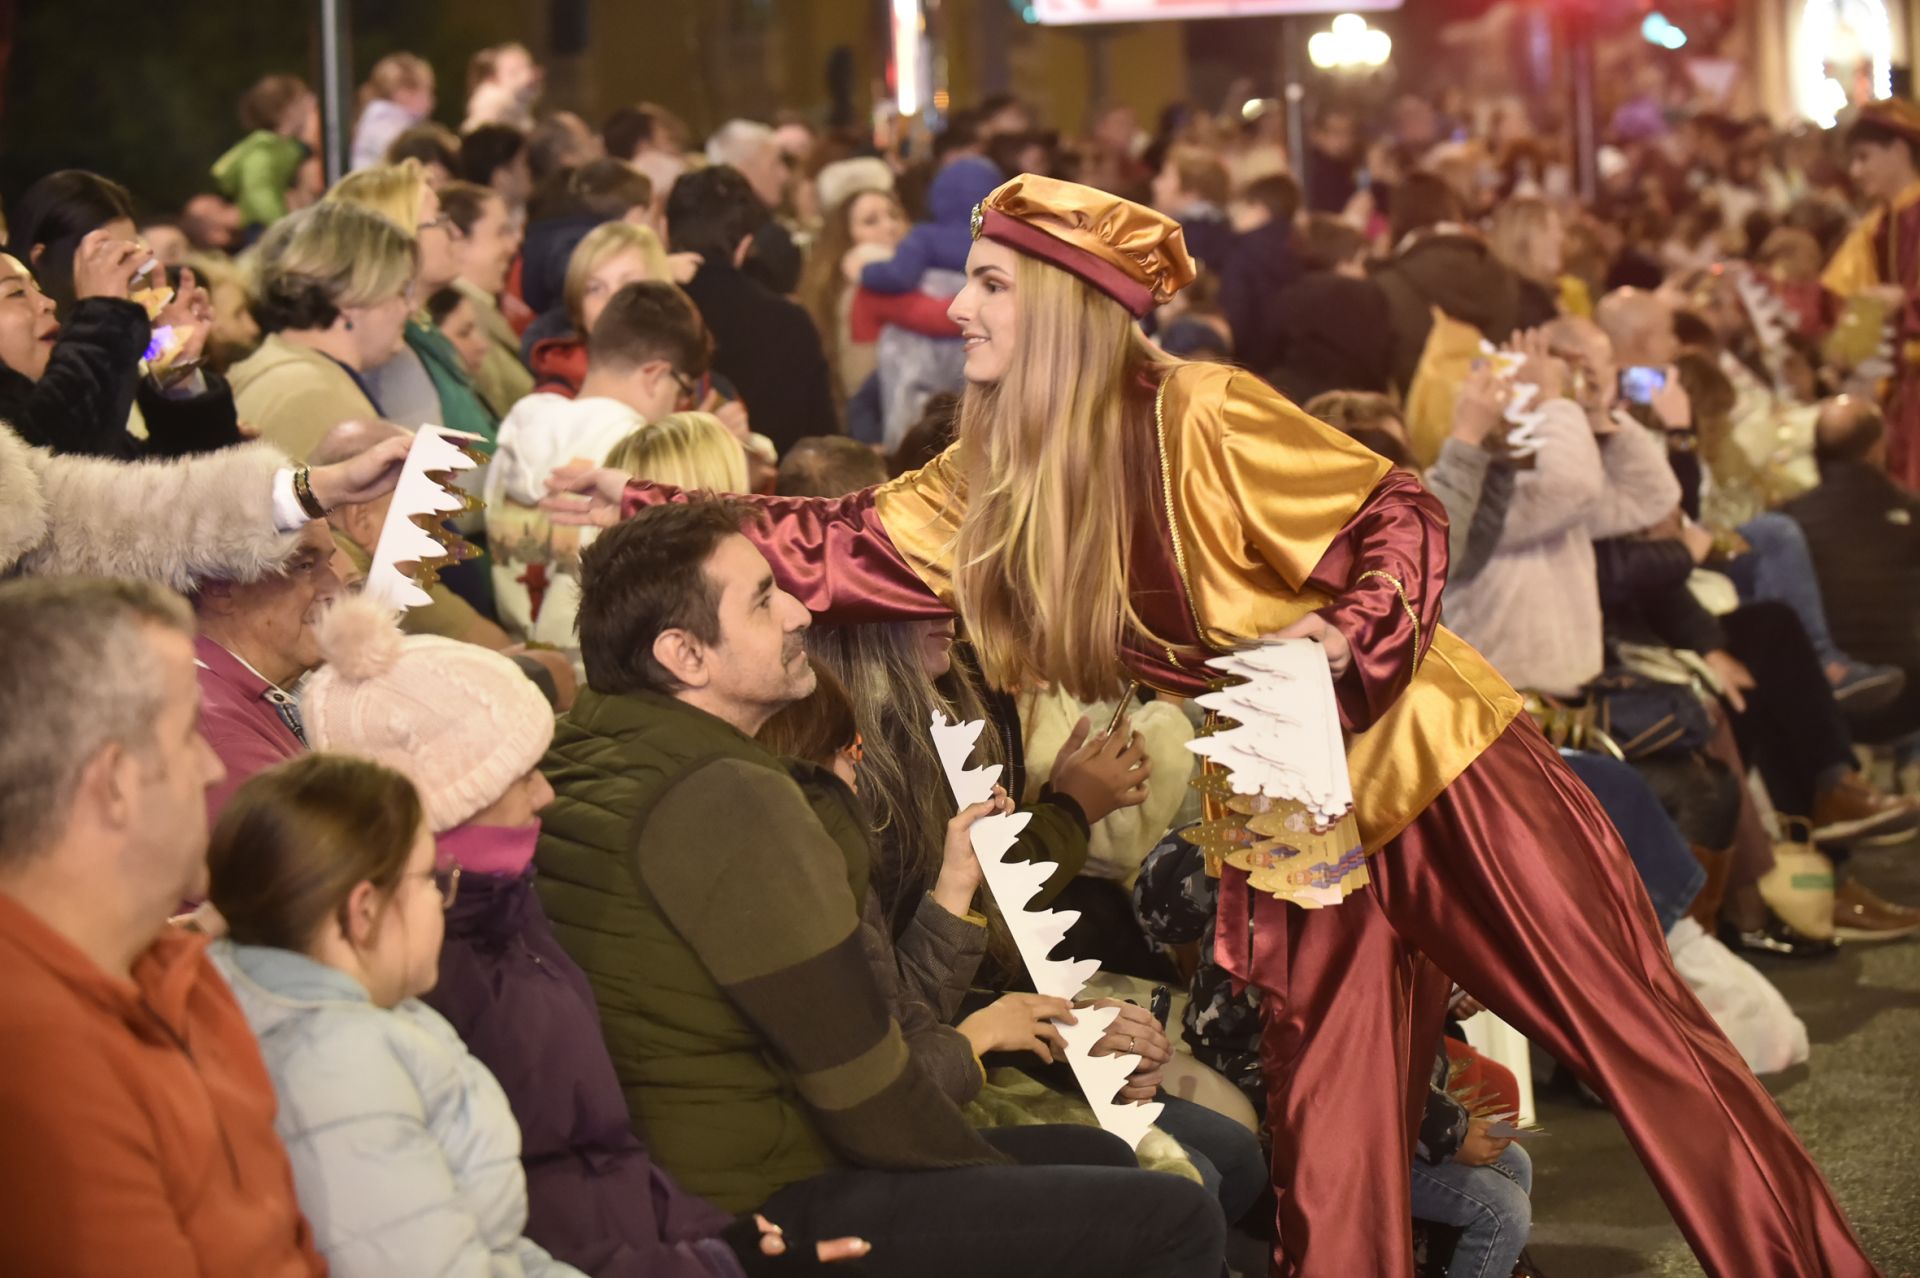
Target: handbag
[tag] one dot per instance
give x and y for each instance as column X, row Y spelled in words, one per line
column 1647, row 717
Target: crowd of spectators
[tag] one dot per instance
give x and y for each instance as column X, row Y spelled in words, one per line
column 605, row 916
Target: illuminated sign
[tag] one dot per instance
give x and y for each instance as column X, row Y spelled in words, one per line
column 1076, row 11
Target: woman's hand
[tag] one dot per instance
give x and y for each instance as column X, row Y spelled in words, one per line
column 360, row 479
column 190, row 314
column 1480, row 1149
column 1103, row 774
column 1736, row 681
column 682, row 267
column 1671, row 405
column 1315, row 627
column 858, row 257
column 1019, row 1023
column 773, row 1242
column 106, row 267
column 959, row 867
column 1134, row 1032
column 582, row 493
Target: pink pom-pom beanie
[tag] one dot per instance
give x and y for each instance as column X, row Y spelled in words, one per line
column 462, row 722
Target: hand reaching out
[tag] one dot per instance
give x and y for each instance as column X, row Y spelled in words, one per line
column 582, row 493
column 360, row 479
column 1332, row 642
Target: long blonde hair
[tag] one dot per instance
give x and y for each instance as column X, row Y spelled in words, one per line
column 694, row 451
column 1054, row 472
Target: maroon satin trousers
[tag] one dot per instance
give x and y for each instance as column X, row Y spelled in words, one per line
column 1515, row 884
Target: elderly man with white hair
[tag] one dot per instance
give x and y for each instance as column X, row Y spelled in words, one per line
column 754, row 149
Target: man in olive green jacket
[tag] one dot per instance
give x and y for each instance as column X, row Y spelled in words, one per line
column 713, row 897
column 751, row 1036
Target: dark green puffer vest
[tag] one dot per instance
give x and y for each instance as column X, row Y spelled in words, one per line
column 712, row 1103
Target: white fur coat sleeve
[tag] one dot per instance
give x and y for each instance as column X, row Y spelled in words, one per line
column 171, row 520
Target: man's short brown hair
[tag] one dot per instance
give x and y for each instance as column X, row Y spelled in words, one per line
column 649, row 320
column 644, row 577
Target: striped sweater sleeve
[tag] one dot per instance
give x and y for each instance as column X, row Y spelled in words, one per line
column 751, row 881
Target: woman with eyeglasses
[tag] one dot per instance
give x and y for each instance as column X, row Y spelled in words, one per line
column 425, row 380
column 406, row 1155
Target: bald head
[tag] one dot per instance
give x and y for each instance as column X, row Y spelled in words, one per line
column 1849, row 429
column 350, row 439
column 1640, row 326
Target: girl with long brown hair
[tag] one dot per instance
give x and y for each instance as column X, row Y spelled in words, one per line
column 1109, row 515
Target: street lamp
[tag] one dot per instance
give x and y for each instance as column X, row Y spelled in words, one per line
column 1350, row 45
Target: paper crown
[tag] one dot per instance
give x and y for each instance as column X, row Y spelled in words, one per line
column 1129, row 252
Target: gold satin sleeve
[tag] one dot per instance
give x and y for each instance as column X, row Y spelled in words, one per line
column 921, row 511
column 1854, row 267
column 1259, row 490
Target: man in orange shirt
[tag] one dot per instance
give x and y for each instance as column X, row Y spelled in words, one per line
column 136, row 1118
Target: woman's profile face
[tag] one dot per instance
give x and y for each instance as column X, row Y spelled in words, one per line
column 875, row 218
column 984, row 311
column 438, row 264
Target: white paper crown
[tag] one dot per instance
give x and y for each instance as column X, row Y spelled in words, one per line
column 1036, row 932
column 405, row 536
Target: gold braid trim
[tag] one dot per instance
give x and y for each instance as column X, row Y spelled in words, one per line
column 1413, row 618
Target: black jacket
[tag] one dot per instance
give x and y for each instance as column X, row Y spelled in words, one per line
column 1864, row 532
column 774, row 259
column 1262, row 263
column 82, row 402
column 1644, row 596
column 768, row 348
column 1331, row 335
column 1455, row 272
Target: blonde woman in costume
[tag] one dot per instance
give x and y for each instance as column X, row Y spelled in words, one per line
column 1112, row 515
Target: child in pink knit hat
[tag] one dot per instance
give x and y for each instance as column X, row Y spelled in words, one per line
column 469, row 729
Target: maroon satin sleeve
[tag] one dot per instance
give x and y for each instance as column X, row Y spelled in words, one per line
column 831, row 553
column 1398, row 538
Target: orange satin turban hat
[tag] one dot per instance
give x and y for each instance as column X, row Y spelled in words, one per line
column 1129, row 252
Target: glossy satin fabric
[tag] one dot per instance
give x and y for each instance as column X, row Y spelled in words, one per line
column 1272, row 516
column 1515, row 884
column 1556, row 936
column 830, row 553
